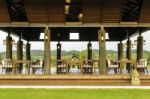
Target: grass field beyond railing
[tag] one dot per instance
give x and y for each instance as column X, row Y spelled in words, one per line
column 74, row 94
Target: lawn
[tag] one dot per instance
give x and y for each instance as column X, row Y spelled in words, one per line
column 74, row 94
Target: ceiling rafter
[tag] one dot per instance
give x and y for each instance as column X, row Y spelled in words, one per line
column 131, row 10
column 17, row 10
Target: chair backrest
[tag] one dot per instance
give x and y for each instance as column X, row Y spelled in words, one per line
column 142, row 63
column 38, row 63
column 61, row 63
column 96, row 62
column 108, row 62
column 6, row 63
column 41, row 62
column 111, row 64
column 88, row 63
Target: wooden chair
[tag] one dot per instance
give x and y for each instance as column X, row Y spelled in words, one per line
column 112, row 65
column 87, row 67
column 95, row 65
column 142, row 65
column 61, row 67
column 7, row 64
column 38, row 64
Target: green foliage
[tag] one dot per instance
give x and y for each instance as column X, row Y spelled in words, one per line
column 66, row 55
column 82, row 55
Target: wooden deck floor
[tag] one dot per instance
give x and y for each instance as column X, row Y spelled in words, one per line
column 65, row 80
column 75, row 80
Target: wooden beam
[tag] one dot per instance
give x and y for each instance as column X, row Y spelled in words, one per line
column 91, row 11
column 111, row 10
column 75, row 24
column 4, row 15
column 144, row 15
column 56, row 11
column 37, row 11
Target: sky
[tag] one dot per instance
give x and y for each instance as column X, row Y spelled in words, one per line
column 74, row 45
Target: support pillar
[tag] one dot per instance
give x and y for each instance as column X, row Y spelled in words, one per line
column 58, row 51
column 19, row 50
column 20, row 53
column 135, row 80
column 89, row 47
column 9, row 47
column 47, row 53
column 102, row 51
column 139, row 47
column 28, row 52
column 120, row 55
column 120, row 50
column 128, row 54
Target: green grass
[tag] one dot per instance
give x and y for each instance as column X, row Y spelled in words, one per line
column 74, row 94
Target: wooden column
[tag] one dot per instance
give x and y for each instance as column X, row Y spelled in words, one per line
column 47, row 53
column 139, row 47
column 9, row 47
column 20, row 53
column 28, row 52
column 120, row 50
column 58, row 51
column 128, row 54
column 20, row 50
column 102, row 51
column 89, row 52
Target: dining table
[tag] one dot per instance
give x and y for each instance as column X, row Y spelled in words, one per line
column 27, row 62
column 125, row 61
column 72, row 63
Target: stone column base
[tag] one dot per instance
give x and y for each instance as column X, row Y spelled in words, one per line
column 135, row 81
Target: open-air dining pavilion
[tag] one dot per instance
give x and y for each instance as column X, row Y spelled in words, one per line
column 88, row 20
